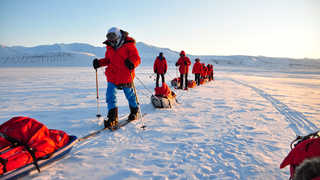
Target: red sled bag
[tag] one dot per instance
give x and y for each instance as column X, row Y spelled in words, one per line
column 307, row 147
column 163, row 91
column 192, row 84
column 175, row 82
column 25, row 140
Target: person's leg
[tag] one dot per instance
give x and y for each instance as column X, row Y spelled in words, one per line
column 186, row 81
column 112, row 106
column 132, row 100
column 163, row 80
column 157, row 80
column 181, row 80
column 111, row 99
column 197, row 79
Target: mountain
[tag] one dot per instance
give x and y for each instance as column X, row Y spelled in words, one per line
column 81, row 54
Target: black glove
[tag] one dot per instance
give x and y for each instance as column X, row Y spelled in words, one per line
column 177, row 64
column 185, row 62
column 129, row 64
column 95, row 63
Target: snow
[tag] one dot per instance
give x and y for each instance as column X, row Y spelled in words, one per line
column 238, row 127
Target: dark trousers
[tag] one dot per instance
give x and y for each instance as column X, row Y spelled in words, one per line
column 157, row 80
column 197, row 79
column 185, row 80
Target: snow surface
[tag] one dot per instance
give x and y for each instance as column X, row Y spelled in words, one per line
column 238, row 127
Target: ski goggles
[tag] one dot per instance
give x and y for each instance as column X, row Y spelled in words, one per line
column 112, row 36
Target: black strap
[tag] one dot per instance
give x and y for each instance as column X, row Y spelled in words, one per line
column 13, row 141
column 300, row 139
column 16, row 143
column 33, row 155
column 4, row 164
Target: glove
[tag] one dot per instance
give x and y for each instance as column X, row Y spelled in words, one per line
column 177, row 64
column 129, row 64
column 185, row 62
column 95, row 63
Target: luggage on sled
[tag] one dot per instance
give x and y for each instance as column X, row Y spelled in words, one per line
column 175, row 82
column 163, row 97
column 304, row 157
column 192, row 84
column 26, row 145
column 203, row 80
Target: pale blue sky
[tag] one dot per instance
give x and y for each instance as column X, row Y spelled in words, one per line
column 278, row 28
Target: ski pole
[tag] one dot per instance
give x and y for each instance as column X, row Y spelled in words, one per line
column 137, row 99
column 97, row 92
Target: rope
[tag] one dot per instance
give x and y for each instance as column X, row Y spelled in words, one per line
column 144, row 85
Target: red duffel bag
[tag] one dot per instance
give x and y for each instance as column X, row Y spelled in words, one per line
column 25, row 140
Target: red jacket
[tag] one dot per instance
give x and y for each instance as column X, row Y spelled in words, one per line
column 116, row 71
column 183, row 69
column 204, row 70
column 197, row 68
column 160, row 65
column 210, row 69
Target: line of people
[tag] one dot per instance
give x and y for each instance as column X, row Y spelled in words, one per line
column 200, row 70
column 121, row 59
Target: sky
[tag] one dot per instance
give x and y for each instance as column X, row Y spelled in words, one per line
column 276, row 28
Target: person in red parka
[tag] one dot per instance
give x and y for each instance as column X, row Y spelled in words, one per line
column 196, row 70
column 204, row 71
column 160, row 68
column 210, row 72
column 183, row 63
column 121, row 58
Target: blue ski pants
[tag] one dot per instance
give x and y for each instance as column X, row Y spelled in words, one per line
column 111, row 99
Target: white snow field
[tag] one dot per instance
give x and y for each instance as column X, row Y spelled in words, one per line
column 237, row 127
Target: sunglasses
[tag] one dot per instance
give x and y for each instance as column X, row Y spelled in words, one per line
column 112, row 36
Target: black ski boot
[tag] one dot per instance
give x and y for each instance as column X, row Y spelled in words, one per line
column 112, row 118
column 133, row 113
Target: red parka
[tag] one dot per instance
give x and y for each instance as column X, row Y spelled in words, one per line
column 160, row 66
column 204, row 70
column 210, row 69
column 197, row 67
column 183, row 68
column 116, row 71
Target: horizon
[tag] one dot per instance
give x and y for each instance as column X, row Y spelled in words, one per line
column 65, row 43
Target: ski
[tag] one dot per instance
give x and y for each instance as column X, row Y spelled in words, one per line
column 122, row 122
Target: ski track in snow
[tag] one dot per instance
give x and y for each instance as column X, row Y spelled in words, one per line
column 298, row 122
column 226, row 129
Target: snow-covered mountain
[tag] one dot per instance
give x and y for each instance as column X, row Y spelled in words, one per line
column 80, row 54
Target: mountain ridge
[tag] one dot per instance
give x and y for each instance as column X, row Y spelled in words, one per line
column 81, row 54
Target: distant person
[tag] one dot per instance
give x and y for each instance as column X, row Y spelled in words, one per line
column 204, row 71
column 160, row 68
column 210, row 71
column 121, row 58
column 183, row 63
column 196, row 70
